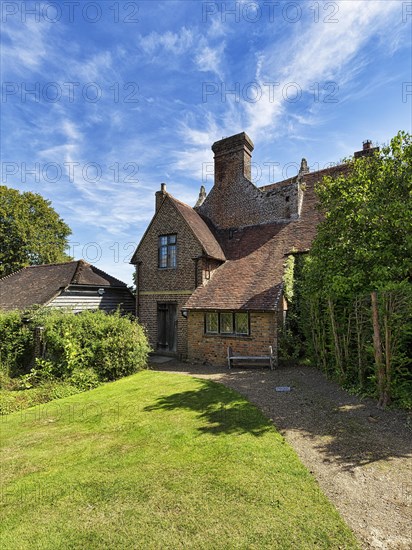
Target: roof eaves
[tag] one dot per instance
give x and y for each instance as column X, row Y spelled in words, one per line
column 173, row 201
column 57, row 293
column 12, row 274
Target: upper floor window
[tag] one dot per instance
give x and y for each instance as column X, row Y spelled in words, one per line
column 167, row 251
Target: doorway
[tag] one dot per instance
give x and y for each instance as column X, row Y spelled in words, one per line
column 167, row 327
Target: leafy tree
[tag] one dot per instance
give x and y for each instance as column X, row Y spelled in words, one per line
column 364, row 247
column 365, row 241
column 31, row 232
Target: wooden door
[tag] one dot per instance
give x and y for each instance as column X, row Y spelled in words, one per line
column 166, row 327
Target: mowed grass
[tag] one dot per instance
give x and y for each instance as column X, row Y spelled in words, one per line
column 157, row 460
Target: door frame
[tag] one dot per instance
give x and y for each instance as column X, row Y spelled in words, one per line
column 166, row 323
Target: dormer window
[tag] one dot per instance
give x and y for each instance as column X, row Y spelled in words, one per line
column 167, row 252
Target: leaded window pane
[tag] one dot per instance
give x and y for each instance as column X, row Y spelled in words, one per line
column 163, row 256
column 212, row 323
column 171, row 256
column 226, row 323
column 167, row 251
column 241, row 323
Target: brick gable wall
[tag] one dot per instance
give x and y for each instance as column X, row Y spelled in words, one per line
column 234, row 201
column 168, row 221
column 167, row 285
column 243, row 204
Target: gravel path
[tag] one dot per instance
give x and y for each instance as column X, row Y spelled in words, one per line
column 360, row 455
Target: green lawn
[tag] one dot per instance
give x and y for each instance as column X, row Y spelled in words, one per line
column 157, row 460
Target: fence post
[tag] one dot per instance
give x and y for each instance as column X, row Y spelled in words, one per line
column 38, row 343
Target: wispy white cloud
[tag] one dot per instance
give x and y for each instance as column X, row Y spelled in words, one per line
column 23, row 45
column 217, row 28
column 176, row 43
column 209, row 58
column 71, row 131
column 95, row 68
column 319, row 53
column 166, row 47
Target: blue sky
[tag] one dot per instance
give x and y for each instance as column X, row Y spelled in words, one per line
column 103, row 101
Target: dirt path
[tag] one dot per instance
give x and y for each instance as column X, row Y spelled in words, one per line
column 361, row 456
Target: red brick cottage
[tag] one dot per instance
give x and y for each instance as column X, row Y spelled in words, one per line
column 211, row 276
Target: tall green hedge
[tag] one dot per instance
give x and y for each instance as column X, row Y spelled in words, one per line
column 16, row 344
column 108, row 345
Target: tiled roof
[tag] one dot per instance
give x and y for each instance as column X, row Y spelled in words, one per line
column 199, row 227
column 310, row 177
column 40, row 284
column 251, row 278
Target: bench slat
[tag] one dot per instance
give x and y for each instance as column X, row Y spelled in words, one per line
column 244, row 357
column 231, row 357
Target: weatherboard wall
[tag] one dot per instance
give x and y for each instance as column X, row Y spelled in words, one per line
column 80, row 299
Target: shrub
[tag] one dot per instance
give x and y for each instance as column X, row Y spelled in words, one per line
column 79, row 352
column 42, row 372
column 86, row 348
column 110, row 345
column 86, row 379
column 16, row 344
column 123, row 351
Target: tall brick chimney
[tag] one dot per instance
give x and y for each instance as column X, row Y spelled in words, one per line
column 232, row 159
column 160, row 195
column 367, row 149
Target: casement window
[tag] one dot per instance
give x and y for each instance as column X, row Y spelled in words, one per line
column 212, row 323
column 242, row 323
column 167, row 251
column 227, row 323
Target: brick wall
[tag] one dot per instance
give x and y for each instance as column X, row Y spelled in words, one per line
column 168, row 221
column 243, row 204
column 167, row 285
column 235, row 202
column 148, row 317
column 212, row 349
column 206, row 269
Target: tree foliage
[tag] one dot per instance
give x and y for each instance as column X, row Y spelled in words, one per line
column 356, row 279
column 31, row 232
column 365, row 240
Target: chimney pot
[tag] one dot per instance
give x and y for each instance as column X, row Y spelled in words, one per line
column 367, row 149
column 160, row 195
column 304, row 168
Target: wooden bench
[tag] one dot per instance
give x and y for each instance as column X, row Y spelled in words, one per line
column 231, row 357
